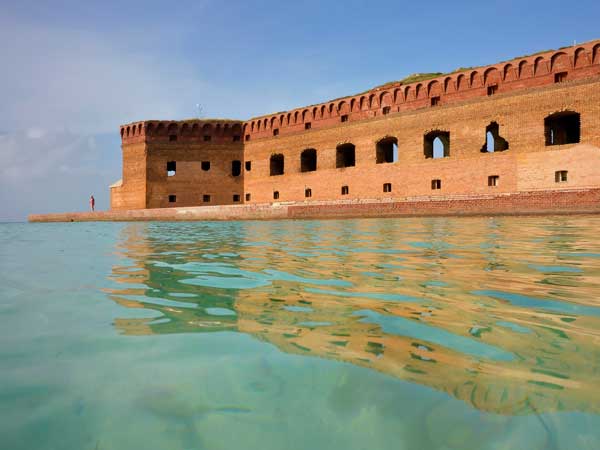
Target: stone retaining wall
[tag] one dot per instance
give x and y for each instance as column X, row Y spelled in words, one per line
column 571, row 201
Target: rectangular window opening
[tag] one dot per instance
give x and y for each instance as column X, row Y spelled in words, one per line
column 307, row 126
column 436, row 184
column 205, row 165
column 491, row 90
column 435, row 101
column 236, row 168
column 171, row 168
column 307, row 192
column 386, row 110
column 276, row 132
column 387, row 187
column 237, row 138
column 248, row 165
column 560, row 77
column 493, row 180
column 236, row 198
column 207, row 138
column 172, row 198
column 248, row 197
column 247, row 137
column 344, row 118
column 560, row 176
column 172, row 137
column 276, row 195
column 206, row 198
column 345, row 190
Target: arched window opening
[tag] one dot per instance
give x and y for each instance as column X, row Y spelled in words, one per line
column 437, row 144
column 562, row 128
column 236, row 168
column 345, row 156
column 387, row 150
column 276, row 165
column 493, row 141
column 308, row 160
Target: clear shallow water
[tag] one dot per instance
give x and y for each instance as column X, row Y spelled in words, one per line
column 478, row 333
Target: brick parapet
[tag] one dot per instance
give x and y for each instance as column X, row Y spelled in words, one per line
column 214, row 131
column 580, row 61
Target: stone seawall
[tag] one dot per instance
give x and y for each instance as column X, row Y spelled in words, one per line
column 567, row 201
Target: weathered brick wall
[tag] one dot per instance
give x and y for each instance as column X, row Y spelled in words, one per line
column 132, row 192
column 465, row 171
column 190, row 183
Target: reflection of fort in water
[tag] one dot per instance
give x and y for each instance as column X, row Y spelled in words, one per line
column 458, row 311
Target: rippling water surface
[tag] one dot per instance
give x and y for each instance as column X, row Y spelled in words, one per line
column 472, row 333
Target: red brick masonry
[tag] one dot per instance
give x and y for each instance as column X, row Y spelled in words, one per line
column 568, row 201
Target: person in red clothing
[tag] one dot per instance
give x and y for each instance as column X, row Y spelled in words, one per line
column 92, row 202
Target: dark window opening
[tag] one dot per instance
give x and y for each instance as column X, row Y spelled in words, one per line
column 236, row 168
column 491, row 90
column 247, row 137
column 387, row 187
column 248, row 197
column 345, row 190
column 436, row 184
column 205, row 165
column 236, row 198
column 171, row 168
column 276, row 132
column 172, row 198
column 386, row 110
column 345, row 156
column 386, row 150
column 206, row 198
column 435, row 101
column 493, row 180
column 308, row 160
column 276, row 195
column 344, row 118
column 560, row 176
column 307, row 192
column 562, row 128
column 207, row 138
column 560, row 77
column 493, row 141
column 248, row 165
column 276, row 164
column 437, row 144
column 237, row 138
column 307, row 126
column 172, row 137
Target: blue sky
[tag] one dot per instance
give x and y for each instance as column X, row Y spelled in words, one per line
column 73, row 71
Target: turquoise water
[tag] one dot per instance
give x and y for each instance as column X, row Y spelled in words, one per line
column 470, row 333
